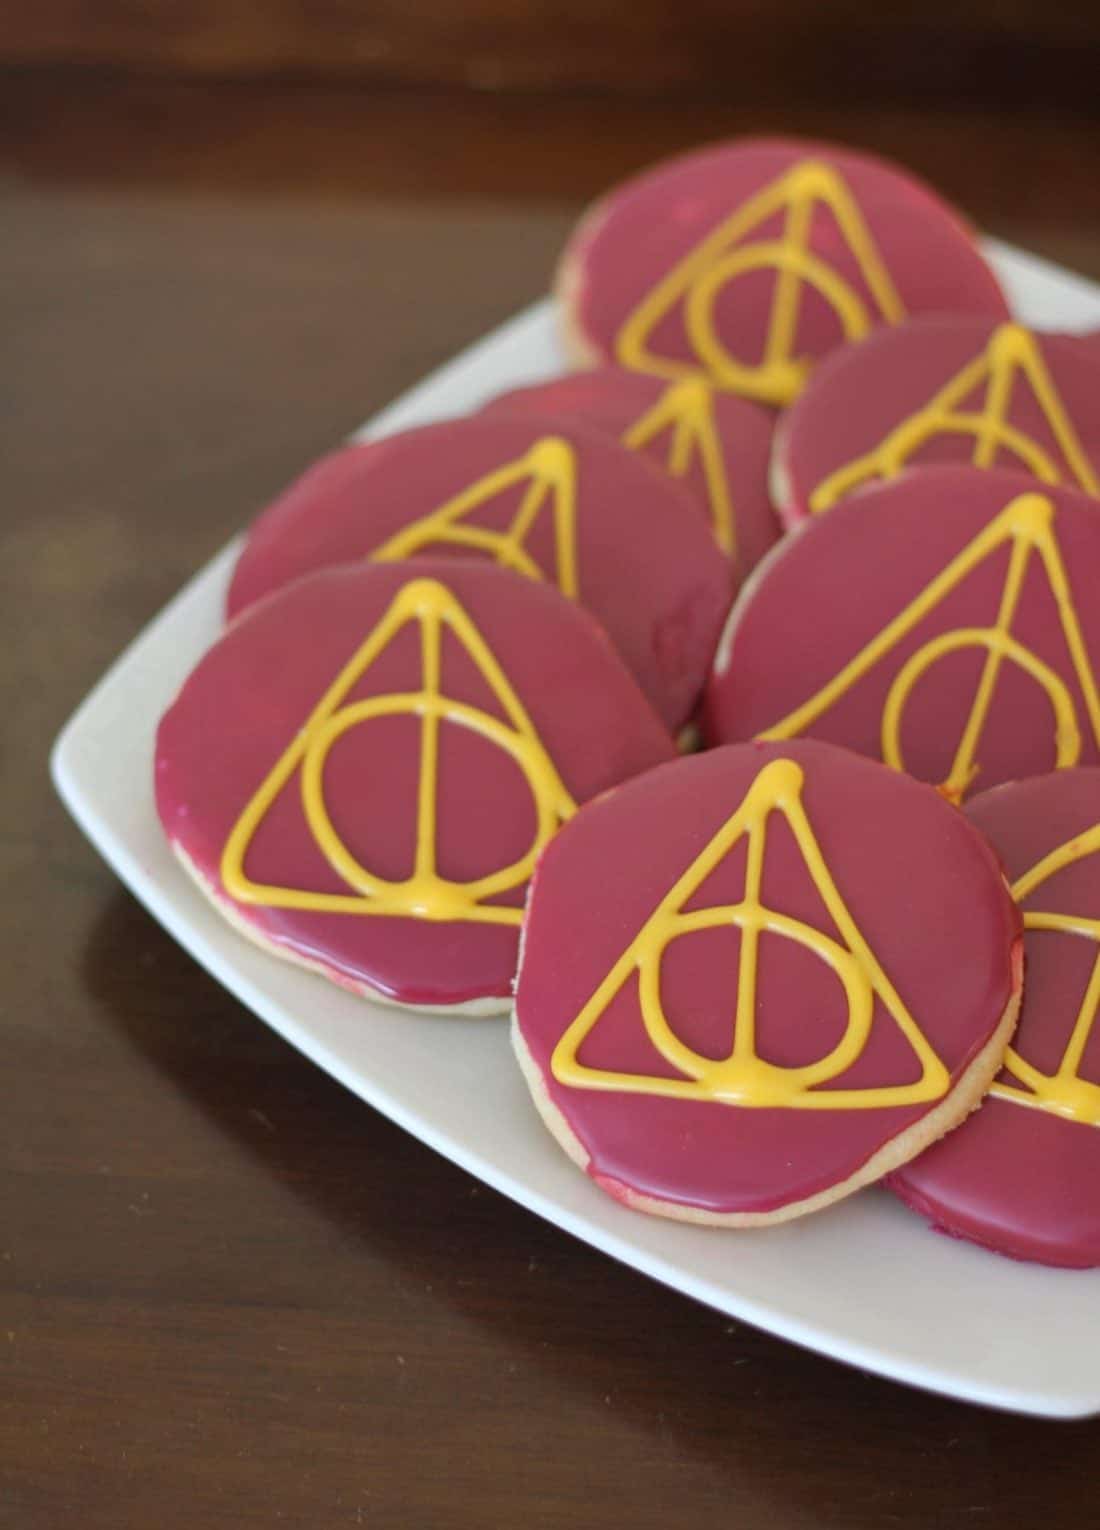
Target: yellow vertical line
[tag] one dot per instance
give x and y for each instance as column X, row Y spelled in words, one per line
column 431, row 665
column 523, row 519
column 528, row 508
column 744, row 1035
column 998, row 395
column 1086, row 1017
column 679, row 457
column 962, row 766
column 783, row 320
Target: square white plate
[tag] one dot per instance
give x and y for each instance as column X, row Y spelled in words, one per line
column 866, row 1281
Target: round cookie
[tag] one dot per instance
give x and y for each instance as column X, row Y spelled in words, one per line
column 363, row 768
column 1023, row 1175
column 945, row 623
column 756, row 979
column 938, row 390
column 553, row 501
column 750, row 260
column 717, row 444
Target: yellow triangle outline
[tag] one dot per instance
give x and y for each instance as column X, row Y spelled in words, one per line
column 550, row 468
column 725, row 253
column 1064, row 1092
column 686, row 408
column 425, row 894
column 744, row 1078
column 1027, row 523
column 1011, row 351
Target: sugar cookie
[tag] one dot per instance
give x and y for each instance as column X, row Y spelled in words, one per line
column 758, row 978
column 363, row 768
column 1023, row 1174
column 945, row 623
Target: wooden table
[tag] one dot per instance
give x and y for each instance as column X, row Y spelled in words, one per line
column 232, row 1295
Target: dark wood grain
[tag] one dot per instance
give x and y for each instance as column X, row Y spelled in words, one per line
column 231, row 1295
column 1025, row 52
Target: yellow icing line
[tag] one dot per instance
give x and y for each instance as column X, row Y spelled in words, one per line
column 728, row 252
column 425, row 894
column 549, row 470
column 1027, row 524
column 687, row 409
column 1010, row 351
column 744, row 1077
column 1064, row 1092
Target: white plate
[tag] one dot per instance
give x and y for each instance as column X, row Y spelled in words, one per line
column 866, row 1282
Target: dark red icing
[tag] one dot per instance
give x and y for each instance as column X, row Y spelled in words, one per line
column 647, row 567
column 859, row 395
column 1089, row 342
column 1020, row 1180
column 922, row 886
column 614, row 399
column 246, row 700
column 832, row 587
column 641, row 230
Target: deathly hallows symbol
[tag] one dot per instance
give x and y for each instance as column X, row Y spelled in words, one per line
column 1064, row 1092
column 426, row 893
column 730, row 251
column 1027, row 525
column 743, row 1077
column 548, row 473
column 1012, row 353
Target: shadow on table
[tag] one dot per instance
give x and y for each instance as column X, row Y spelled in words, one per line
column 789, row 1427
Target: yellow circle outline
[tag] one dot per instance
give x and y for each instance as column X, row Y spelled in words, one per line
column 1067, row 736
column 420, row 706
column 777, row 378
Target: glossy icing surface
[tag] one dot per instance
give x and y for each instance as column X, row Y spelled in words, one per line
column 939, row 390
column 1023, row 1174
column 749, row 261
column 551, row 501
column 714, row 949
column 718, row 445
column 366, row 763
column 943, row 623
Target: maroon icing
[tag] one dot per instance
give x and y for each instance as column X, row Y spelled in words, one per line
column 641, row 230
column 244, row 703
column 1089, row 342
column 647, row 567
column 923, row 887
column 614, row 399
column 1016, row 1179
column 834, row 585
column 859, row 395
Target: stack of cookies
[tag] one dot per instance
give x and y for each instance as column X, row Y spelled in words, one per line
column 726, row 710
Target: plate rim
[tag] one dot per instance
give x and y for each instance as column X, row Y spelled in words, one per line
column 72, row 788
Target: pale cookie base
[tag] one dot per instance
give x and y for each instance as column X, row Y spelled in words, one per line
column 232, row 915
column 779, row 482
column 579, row 350
column 566, row 285
column 966, row 1096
